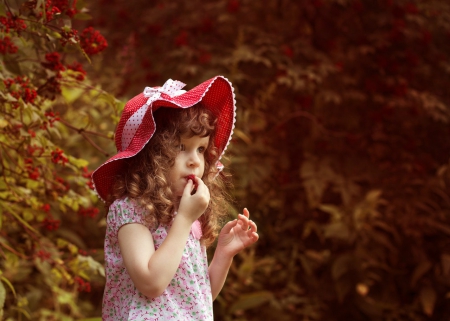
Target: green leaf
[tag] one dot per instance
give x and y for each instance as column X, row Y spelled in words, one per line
column 82, row 16
column 9, row 284
column 80, row 4
column 2, row 296
column 54, row 132
column 28, row 214
column 3, row 11
column 32, row 184
column 78, row 162
column 71, row 237
column 3, row 123
column 11, row 211
column 71, row 94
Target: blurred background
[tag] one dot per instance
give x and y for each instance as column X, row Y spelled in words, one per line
column 340, row 152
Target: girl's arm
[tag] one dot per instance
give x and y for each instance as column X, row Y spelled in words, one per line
column 151, row 271
column 234, row 237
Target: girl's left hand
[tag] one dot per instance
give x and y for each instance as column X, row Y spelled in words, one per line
column 238, row 234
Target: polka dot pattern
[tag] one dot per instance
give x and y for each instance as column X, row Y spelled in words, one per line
column 132, row 124
column 216, row 94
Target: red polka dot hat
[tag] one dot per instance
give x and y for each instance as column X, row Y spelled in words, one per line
column 136, row 125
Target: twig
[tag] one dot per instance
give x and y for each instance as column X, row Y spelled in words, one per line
column 7, row 6
column 14, row 251
column 82, row 130
column 94, row 144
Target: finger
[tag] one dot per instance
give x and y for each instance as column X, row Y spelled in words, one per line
column 198, row 181
column 246, row 213
column 188, row 188
column 227, row 227
column 199, row 184
column 202, row 189
column 255, row 237
column 253, row 227
column 244, row 222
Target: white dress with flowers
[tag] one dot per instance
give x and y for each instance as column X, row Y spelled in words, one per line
column 188, row 296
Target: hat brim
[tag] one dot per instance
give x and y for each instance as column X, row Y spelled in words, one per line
column 216, row 94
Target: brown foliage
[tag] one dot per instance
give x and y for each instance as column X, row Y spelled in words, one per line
column 340, row 150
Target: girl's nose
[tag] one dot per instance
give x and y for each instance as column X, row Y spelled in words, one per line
column 194, row 160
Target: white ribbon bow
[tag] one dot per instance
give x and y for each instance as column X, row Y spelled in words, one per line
column 172, row 88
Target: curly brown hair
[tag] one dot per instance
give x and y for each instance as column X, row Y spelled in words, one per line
column 145, row 178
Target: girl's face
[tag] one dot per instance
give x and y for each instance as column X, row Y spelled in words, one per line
column 190, row 160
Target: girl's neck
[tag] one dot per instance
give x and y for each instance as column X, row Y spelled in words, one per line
column 176, row 203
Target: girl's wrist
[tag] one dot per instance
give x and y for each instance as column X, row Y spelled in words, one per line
column 183, row 219
column 223, row 252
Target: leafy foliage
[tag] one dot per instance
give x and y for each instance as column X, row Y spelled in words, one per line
column 49, row 117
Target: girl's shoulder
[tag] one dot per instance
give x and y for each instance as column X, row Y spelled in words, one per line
column 126, row 210
column 124, row 203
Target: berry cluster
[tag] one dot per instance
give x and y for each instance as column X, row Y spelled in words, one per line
column 83, row 286
column 92, row 41
column 51, row 10
column 64, row 6
column 81, row 73
column 52, row 117
column 88, row 174
column 45, row 208
column 34, row 148
column 70, row 35
column 53, row 62
column 33, row 172
column 12, row 22
column 86, row 253
column 57, row 156
column 7, row 46
column 43, row 255
column 50, row 224
column 61, row 185
column 20, row 87
column 90, row 211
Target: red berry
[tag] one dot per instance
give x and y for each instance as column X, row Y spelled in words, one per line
column 192, row 177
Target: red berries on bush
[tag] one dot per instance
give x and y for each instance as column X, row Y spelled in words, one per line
column 92, row 41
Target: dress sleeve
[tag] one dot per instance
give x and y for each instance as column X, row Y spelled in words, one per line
column 125, row 211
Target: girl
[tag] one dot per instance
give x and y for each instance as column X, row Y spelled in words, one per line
column 165, row 193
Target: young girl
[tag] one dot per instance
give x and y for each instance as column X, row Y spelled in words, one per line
column 165, row 192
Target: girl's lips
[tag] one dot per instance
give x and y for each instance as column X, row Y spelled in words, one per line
column 192, row 176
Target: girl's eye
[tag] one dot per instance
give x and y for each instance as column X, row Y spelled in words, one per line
column 201, row 149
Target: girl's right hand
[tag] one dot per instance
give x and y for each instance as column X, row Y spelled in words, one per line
column 193, row 206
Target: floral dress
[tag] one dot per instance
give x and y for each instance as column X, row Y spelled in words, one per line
column 188, row 296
